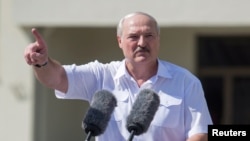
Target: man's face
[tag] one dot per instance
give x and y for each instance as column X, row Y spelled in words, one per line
column 140, row 40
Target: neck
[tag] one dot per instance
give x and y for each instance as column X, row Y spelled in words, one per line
column 142, row 72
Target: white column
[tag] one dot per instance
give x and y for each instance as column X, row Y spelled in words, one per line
column 16, row 82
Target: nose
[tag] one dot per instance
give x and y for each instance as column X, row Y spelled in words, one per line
column 142, row 41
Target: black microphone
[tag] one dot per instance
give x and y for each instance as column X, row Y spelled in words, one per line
column 99, row 113
column 142, row 113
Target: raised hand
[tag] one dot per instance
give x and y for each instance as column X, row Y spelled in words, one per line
column 36, row 53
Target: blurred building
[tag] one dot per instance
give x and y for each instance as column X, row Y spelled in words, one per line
column 209, row 37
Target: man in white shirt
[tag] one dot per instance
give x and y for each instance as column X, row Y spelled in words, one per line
column 183, row 113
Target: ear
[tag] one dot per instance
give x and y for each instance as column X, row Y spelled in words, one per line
column 119, row 40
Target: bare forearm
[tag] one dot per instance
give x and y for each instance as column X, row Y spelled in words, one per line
column 198, row 137
column 52, row 75
column 48, row 71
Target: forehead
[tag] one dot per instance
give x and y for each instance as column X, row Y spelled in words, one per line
column 139, row 22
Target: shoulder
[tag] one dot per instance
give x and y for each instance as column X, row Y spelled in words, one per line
column 178, row 71
column 95, row 64
column 113, row 65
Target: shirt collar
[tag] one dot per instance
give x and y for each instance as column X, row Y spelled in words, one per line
column 163, row 70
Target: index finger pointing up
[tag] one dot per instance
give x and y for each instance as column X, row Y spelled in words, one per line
column 37, row 36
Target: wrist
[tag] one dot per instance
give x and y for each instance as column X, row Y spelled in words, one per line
column 39, row 66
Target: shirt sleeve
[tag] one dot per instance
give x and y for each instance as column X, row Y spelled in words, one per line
column 197, row 116
column 82, row 81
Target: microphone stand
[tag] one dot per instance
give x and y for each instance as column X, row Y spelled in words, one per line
column 88, row 136
column 131, row 135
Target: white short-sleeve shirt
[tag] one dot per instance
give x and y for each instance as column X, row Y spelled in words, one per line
column 182, row 113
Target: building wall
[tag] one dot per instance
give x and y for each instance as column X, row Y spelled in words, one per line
column 81, row 31
column 102, row 13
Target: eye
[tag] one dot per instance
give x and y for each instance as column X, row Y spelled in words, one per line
column 149, row 35
column 133, row 37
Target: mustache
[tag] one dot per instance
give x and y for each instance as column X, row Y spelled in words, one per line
column 142, row 49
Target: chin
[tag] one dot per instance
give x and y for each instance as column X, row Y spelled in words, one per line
column 141, row 59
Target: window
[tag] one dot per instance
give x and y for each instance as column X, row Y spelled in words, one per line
column 224, row 70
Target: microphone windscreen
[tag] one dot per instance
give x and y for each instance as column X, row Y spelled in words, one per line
column 99, row 113
column 142, row 112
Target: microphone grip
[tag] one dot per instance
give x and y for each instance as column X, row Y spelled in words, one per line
column 131, row 135
column 88, row 136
